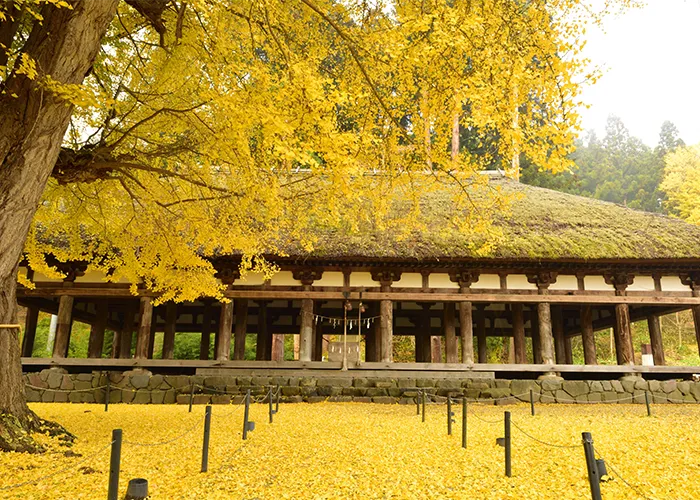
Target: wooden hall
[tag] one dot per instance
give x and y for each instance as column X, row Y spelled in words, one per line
column 563, row 266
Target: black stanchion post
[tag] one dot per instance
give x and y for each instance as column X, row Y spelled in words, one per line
column 532, row 403
column 107, row 394
column 191, row 397
column 418, row 402
column 464, row 422
column 423, row 398
column 506, row 422
column 450, row 414
column 205, row 443
column 646, row 398
column 277, row 399
column 247, row 426
column 592, row 466
column 114, row 464
column 269, row 404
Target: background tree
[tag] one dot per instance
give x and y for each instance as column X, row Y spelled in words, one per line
column 230, row 127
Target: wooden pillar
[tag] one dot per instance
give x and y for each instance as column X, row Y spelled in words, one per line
column 558, row 334
column 63, row 328
column 436, row 349
column 241, row 329
column 423, row 336
column 623, row 335
column 223, row 346
column 277, row 351
column 518, row 334
column 306, row 336
column 144, row 331
column 169, row 330
column 657, row 345
column 588, row 336
column 544, row 316
column 696, row 322
column 466, row 332
column 205, row 340
column 535, row 333
column 30, row 331
column 97, row 330
column 263, row 350
column 386, row 328
column 372, row 344
column 568, row 352
column 116, row 340
column 448, row 328
column 481, row 334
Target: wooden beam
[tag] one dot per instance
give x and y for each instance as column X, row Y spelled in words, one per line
column 144, row 331
column 97, row 330
column 30, row 323
column 519, row 334
column 63, row 328
column 588, row 336
column 657, row 345
column 448, row 326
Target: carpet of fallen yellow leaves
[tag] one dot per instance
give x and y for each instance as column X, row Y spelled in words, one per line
column 355, row 450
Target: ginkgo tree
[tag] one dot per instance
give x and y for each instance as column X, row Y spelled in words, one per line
column 144, row 136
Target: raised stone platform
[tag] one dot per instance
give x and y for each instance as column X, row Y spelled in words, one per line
column 52, row 385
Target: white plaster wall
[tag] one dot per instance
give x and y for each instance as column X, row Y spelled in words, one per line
column 519, row 282
column 362, row 279
column 564, row 282
column 488, row 281
column 642, row 284
column 597, row 283
column 441, row 280
column 251, row 279
column 410, row 280
column 334, row 278
column 673, row 284
column 284, row 278
column 91, row 277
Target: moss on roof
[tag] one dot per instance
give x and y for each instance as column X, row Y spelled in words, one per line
column 542, row 225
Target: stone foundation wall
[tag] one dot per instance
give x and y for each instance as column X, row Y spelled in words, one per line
column 143, row 388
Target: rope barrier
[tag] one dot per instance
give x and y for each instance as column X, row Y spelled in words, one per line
column 569, row 446
column 134, row 443
column 629, row 485
column 499, row 421
column 66, row 390
column 49, row 476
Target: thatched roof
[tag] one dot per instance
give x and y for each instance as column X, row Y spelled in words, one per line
column 543, row 225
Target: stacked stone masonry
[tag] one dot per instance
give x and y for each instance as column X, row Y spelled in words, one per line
column 144, row 388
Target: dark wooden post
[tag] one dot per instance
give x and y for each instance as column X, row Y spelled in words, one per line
column 624, row 349
column 544, row 315
column 518, row 334
column 263, row 350
column 277, row 347
column 372, row 350
column 623, row 335
column 568, row 353
column 465, row 279
column 558, row 334
column 241, row 329
column 693, row 281
column 588, row 336
column 144, row 331
column 223, row 346
column 63, row 327
column 30, row 331
column 306, row 336
column 448, row 328
column 657, row 345
column 169, row 330
column 481, row 333
column 423, row 334
column 535, row 334
column 97, row 330
column 152, row 335
column 205, row 340
column 386, row 314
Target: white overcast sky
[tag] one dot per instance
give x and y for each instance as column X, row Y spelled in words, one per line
column 651, row 58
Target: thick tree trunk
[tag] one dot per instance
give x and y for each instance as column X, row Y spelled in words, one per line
column 32, row 125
